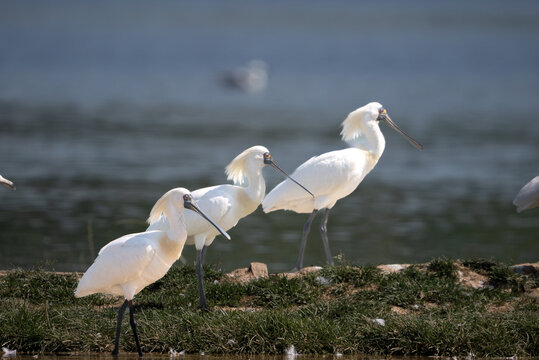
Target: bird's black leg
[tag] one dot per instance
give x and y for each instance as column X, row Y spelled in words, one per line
column 203, row 255
column 306, row 230
column 119, row 327
column 202, row 293
column 134, row 326
column 324, row 233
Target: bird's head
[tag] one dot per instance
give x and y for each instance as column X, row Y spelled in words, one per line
column 258, row 155
column 189, row 203
column 255, row 157
column 268, row 160
column 249, row 158
column 368, row 115
column 172, row 204
column 383, row 116
column 169, row 205
column 355, row 123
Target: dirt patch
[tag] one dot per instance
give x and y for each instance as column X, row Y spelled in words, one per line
column 368, row 287
column 255, row 271
column 500, row 309
column 533, row 293
column 399, row 310
column 302, row 272
column 392, row 268
column 430, row 305
column 470, row 278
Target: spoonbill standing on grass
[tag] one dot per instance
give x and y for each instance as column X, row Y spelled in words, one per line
column 227, row 204
column 7, row 182
column 528, row 196
column 334, row 175
column 128, row 264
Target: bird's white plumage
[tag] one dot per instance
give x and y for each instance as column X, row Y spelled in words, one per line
column 226, row 204
column 336, row 174
column 128, row 264
column 333, row 175
column 528, row 196
column 125, row 266
column 329, row 176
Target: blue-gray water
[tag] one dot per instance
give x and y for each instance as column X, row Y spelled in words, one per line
column 104, row 106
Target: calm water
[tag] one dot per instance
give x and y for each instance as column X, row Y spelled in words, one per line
column 104, row 106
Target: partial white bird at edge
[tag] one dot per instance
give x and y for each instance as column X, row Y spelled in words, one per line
column 7, row 183
column 528, row 197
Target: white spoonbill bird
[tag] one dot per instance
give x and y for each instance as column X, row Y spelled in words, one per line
column 334, row 175
column 227, row 204
column 528, row 196
column 7, row 182
column 128, row 264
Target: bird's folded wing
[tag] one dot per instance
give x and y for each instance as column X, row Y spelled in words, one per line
column 322, row 175
column 120, row 261
column 215, row 202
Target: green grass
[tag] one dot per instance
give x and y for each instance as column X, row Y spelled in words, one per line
column 426, row 312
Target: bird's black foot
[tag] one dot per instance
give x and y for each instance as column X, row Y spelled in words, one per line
column 204, row 308
column 296, row 267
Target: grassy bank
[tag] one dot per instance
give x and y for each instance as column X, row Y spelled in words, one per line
column 427, row 309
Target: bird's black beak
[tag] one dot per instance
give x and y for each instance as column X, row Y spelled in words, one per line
column 189, row 203
column 383, row 116
column 269, row 161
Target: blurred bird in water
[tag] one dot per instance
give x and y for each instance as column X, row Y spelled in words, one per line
column 251, row 79
column 334, row 175
column 528, row 196
column 128, row 264
column 226, row 204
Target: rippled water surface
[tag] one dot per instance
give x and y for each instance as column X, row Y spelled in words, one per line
column 105, row 106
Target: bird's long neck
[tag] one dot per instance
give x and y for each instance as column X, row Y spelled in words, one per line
column 256, row 186
column 176, row 235
column 371, row 140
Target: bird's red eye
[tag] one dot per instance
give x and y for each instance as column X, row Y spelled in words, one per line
column 382, row 111
column 267, row 155
column 186, row 197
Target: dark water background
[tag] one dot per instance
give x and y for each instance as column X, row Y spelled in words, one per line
column 104, row 106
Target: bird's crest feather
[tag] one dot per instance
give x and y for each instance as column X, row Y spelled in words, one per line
column 165, row 206
column 351, row 127
column 236, row 170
